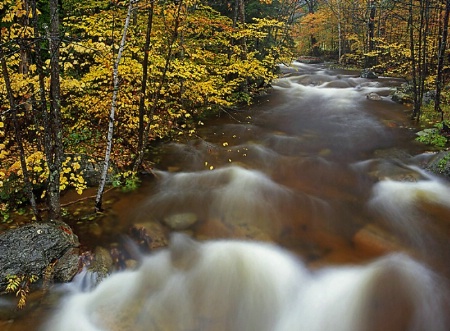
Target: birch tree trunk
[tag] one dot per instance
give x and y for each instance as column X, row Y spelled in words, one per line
column 101, row 187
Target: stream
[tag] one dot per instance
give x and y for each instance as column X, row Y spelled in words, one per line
column 310, row 212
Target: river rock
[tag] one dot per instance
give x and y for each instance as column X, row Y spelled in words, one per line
column 309, row 59
column 91, row 168
column 439, row 164
column 366, row 73
column 149, row 235
column 180, row 221
column 101, row 264
column 401, row 97
column 67, row 266
column 373, row 96
column 373, row 240
column 30, row 249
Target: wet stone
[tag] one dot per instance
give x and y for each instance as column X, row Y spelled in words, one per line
column 374, row 240
column 180, row 221
column 30, row 249
column 373, row 96
column 150, row 235
column 101, row 265
column 67, row 266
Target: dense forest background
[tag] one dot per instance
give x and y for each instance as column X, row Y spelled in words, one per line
column 96, row 81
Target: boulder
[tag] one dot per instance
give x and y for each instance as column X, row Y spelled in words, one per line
column 30, row 249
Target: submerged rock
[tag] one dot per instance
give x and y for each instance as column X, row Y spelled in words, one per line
column 30, row 249
column 180, row 221
column 374, row 240
column 149, row 235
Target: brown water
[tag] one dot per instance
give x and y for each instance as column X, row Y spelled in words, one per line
column 315, row 167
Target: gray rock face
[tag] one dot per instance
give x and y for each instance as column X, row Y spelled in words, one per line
column 28, row 250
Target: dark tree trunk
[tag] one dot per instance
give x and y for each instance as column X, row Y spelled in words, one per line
column 440, row 68
column 18, row 135
column 143, row 95
column 42, row 116
column 419, row 61
column 53, row 129
column 157, row 94
column 243, row 42
column 315, row 50
column 370, row 60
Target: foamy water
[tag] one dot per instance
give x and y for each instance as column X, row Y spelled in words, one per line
column 238, row 285
column 406, row 204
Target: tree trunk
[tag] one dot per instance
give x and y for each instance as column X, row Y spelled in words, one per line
column 101, row 187
column 419, row 60
column 143, row 95
column 157, row 93
column 440, row 68
column 53, row 130
column 18, row 136
column 338, row 14
column 416, row 105
column 42, row 117
column 315, row 50
column 371, row 29
column 241, row 15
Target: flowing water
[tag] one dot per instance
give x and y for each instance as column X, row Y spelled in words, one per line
column 311, row 213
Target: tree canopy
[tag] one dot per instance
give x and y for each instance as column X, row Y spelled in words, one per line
column 193, row 58
column 179, row 62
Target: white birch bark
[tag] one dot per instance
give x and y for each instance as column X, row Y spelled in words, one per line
column 101, row 186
